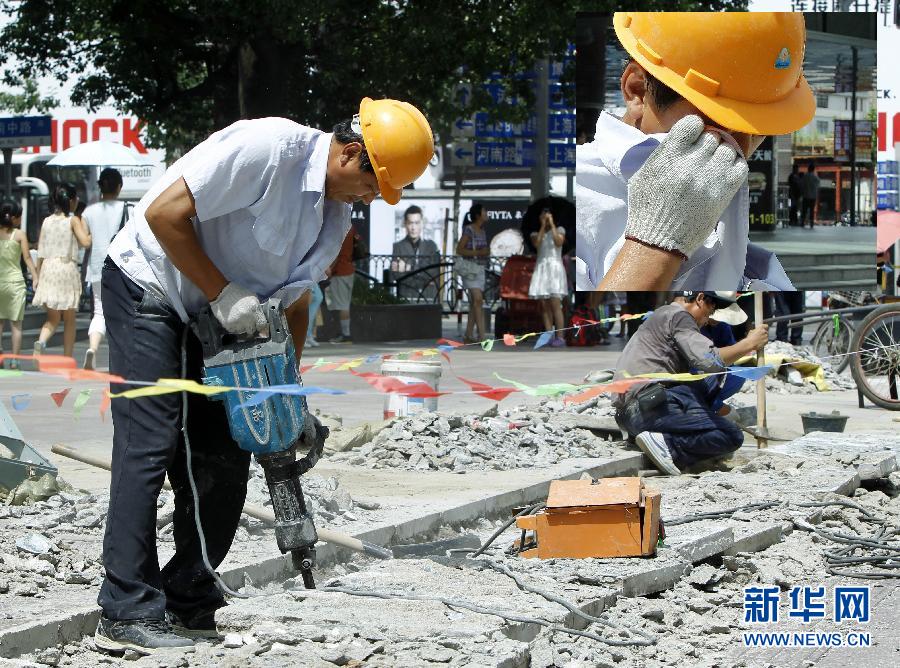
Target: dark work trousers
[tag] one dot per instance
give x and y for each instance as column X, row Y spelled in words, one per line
column 692, row 429
column 788, row 303
column 145, row 336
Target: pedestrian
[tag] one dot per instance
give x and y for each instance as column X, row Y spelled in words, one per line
column 789, row 303
column 413, row 253
column 59, row 288
column 13, row 249
column 472, row 252
column 548, row 282
column 257, row 210
column 676, row 424
column 662, row 194
column 810, row 195
column 795, row 193
column 315, row 302
column 104, row 219
column 339, row 292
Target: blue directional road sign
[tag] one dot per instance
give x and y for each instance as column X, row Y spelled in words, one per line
column 559, row 126
column 20, row 131
column 509, row 154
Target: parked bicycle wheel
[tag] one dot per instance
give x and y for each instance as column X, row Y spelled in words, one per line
column 876, row 363
column 833, row 339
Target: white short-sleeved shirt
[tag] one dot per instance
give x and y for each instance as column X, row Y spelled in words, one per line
column 725, row 261
column 103, row 219
column 262, row 217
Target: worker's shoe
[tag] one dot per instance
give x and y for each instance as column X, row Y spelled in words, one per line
column 199, row 625
column 341, row 338
column 89, row 359
column 654, row 446
column 141, row 635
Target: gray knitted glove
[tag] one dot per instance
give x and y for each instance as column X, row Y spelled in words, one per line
column 676, row 198
column 238, row 310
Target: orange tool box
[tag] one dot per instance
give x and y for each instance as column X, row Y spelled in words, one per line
column 610, row 517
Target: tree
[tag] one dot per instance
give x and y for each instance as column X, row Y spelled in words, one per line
column 28, row 100
column 191, row 66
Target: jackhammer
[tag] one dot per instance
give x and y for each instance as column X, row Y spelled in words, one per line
column 273, row 427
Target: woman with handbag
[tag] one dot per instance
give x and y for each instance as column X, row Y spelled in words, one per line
column 472, row 257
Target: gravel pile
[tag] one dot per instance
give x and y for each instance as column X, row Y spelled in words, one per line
column 782, row 383
column 508, row 439
column 50, row 543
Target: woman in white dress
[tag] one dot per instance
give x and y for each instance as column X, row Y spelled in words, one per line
column 548, row 283
column 59, row 288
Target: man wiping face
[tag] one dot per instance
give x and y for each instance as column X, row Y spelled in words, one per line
column 652, row 107
column 740, row 72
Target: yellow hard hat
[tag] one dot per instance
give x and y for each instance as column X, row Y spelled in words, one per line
column 744, row 70
column 399, row 143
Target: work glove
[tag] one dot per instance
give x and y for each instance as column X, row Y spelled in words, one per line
column 238, row 310
column 676, row 198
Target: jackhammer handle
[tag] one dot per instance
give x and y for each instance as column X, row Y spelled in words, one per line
column 250, row 509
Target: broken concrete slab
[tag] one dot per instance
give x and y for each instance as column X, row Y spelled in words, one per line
column 699, row 540
column 407, row 525
column 754, row 536
column 873, row 455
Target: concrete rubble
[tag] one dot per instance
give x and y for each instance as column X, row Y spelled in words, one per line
column 690, row 595
column 789, row 381
column 537, row 436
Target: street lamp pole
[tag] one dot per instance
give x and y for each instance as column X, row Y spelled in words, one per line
column 853, row 137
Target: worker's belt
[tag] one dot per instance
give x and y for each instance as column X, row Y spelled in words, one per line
column 642, row 403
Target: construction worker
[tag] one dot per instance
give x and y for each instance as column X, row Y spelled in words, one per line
column 676, row 424
column 662, row 192
column 257, row 210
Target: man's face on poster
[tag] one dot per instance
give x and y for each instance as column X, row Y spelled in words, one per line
column 413, row 223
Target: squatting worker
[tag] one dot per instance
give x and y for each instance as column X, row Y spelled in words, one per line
column 677, row 424
column 662, row 191
column 257, row 210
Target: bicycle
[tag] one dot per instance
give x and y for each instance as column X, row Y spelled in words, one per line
column 834, row 337
column 875, row 362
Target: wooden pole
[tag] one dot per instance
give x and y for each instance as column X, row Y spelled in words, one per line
column 761, row 431
column 250, row 509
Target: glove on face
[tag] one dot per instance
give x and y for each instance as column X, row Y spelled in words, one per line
column 676, row 198
column 238, row 310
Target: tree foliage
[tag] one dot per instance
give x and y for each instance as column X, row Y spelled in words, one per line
column 28, row 100
column 191, row 66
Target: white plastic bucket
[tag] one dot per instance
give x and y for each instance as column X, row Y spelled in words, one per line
column 409, row 371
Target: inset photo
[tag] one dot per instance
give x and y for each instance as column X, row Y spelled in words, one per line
column 888, row 247
column 726, row 150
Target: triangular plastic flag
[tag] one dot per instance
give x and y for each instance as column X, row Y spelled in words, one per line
column 60, row 397
column 80, row 401
column 20, row 401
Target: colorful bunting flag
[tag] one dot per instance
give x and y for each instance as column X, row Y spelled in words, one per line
column 80, row 401
column 544, row 339
column 104, row 405
column 488, row 392
column 60, row 397
column 20, row 401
